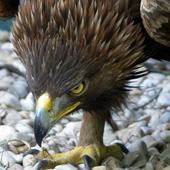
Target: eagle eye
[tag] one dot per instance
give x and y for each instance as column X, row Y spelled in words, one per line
column 78, row 90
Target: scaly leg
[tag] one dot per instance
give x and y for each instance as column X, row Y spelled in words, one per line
column 91, row 150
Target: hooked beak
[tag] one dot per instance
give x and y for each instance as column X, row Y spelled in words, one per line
column 46, row 118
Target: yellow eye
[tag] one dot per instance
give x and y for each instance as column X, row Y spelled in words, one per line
column 78, row 89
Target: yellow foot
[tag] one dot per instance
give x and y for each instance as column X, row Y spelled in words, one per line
column 90, row 155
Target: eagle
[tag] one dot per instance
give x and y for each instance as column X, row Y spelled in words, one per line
column 82, row 54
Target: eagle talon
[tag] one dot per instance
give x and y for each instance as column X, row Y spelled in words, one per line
column 123, row 148
column 87, row 160
column 41, row 164
column 90, row 155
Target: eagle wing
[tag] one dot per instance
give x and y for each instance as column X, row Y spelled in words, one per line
column 156, row 20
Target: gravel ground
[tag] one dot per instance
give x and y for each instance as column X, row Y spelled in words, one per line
column 144, row 125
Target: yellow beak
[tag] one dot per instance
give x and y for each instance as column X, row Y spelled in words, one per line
column 46, row 118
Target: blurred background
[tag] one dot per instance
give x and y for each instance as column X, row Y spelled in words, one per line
column 6, row 25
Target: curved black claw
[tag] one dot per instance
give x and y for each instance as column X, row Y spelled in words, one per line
column 32, row 152
column 41, row 165
column 88, row 161
column 123, row 148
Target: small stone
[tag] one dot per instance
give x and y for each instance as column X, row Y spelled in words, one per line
column 6, row 82
column 3, row 73
column 154, row 159
column 76, row 116
column 152, row 80
column 155, row 120
column 19, row 88
column 18, row 157
column 164, row 99
column 8, row 131
column 143, row 100
column 4, row 36
column 140, row 154
column 4, row 85
column 100, row 168
column 130, row 158
column 64, row 121
column 29, row 160
column 152, row 151
column 18, row 147
column 29, row 168
column 138, row 124
column 28, row 102
column 164, row 126
column 7, row 47
column 23, row 137
column 129, row 134
column 165, row 154
column 81, row 167
column 148, row 166
column 65, row 167
column 146, row 130
column 26, row 114
column 165, row 135
column 12, row 117
column 111, row 163
column 156, row 135
column 145, row 118
column 16, row 167
column 167, row 168
column 149, row 140
column 58, row 128
column 26, row 121
column 9, row 100
column 138, row 146
column 71, row 129
column 165, row 117
column 23, row 128
column 7, row 158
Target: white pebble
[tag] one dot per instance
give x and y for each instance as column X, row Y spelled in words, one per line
column 8, row 131
column 28, row 102
column 12, row 117
column 7, row 158
column 165, row 135
column 152, row 80
column 99, row 168
column 65, row 167
column 16, row 167
column 19, row 88
column 4, row 36
column 71, row 129
column 7, row 47
column 164, row 99
column 29, row 160
column 23, row 128
column 9, row 100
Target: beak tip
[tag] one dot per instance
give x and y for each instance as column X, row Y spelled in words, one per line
column 39, row 135
column 38, row 140
column 39, row 130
